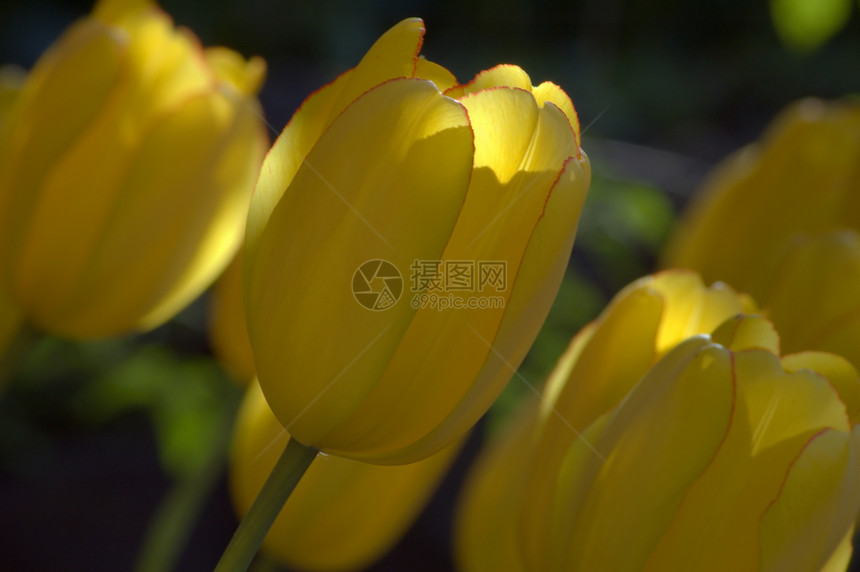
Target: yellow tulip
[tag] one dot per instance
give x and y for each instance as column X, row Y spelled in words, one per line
column 801, row 177
column 11, row 80
column 604, row 361
column 227, row 330
column 343, row 515
column 723, row 456
column 394, row 161
column 126, row 167
column 813, row 298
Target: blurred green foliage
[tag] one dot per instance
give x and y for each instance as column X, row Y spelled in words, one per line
column 805, row 25
column 190, row 401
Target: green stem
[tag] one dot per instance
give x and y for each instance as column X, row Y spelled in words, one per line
column 264, row 563
column 247, row 539
column 177, row 513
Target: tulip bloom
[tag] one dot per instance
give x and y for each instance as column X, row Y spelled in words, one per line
column 642, row 323
column 722, row 457
column 801, row 177
column 344, row 514
column 396, row 162
column 126, row 167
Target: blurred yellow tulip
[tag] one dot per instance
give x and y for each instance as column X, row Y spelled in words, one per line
column 126, row 168
column 801, row 177
column 11, row 81
column 394, row 168
column 604, row 361
column 721, row 457
column 227, row 330
column 813, row 298
column 343, row 515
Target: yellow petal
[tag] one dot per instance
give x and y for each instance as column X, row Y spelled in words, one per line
column 245, row 75
column 488, row 518
column 425, row 69
column 816, row 505
column 838, row 371
column 557, row 380
column 675, row 419
column 598, row 382
column 286, row 156
column 839, row 560
column 775, row 414
column 393, row 55
column 545, row 545
column 691, row 308
column 550, row 92
column 508, row 75
column 401, row 148
column 227, row 330
column 541, row 138
column 504, row 75
column 747, row 332
column 813, row 299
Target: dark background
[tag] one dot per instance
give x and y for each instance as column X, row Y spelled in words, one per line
column 89, row 443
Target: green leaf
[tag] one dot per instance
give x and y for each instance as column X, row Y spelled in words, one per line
column 190, row 402
column 805, row 25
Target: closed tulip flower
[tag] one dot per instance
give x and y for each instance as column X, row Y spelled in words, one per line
column 126, row 167
column 344, row 514
column 722, row 457
column 800, row 177
column 396, row 163
column 813, row 298
column 642, row 323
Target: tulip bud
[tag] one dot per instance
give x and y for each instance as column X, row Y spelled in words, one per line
column 227, row 330
column 343, row 515
column 801, row 177
column 126, row 167
column 642, row 323
column 384, row 180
